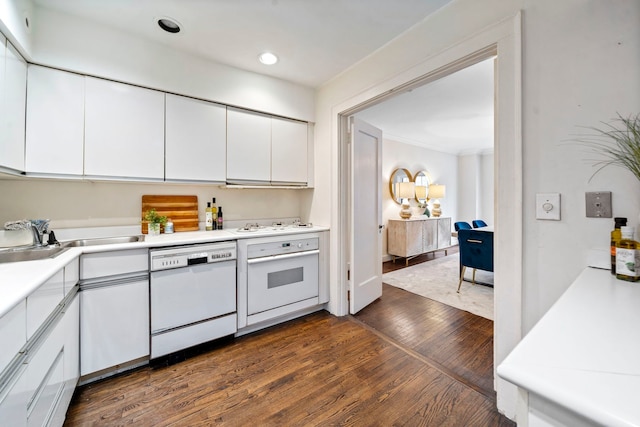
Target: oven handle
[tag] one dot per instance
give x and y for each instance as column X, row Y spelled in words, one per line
column 283, row 256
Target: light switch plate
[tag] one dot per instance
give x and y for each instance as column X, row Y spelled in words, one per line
column 548, row 206
column 598, row 204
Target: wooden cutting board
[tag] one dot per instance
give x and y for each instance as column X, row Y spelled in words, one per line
column 183, row 211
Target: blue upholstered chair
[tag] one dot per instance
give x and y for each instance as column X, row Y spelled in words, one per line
column 477, row 223
column 476, row 251
column 461, row 225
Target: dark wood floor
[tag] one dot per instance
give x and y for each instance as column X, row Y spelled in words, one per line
column 405, row 360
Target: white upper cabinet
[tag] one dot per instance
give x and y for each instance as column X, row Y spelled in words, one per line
column 288, row 152
column 262, row 149
column 248, row 147
column 195, row 140
column 124, row 131
column 55, row 122
column 12, row 108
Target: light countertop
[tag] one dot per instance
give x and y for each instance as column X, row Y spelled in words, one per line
column 584, row 354
column 20, row 279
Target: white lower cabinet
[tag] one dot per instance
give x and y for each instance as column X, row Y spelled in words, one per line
column 13, row 400
column 45, row 373
column 114, row 325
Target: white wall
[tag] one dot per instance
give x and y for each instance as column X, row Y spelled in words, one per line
column 475, row 187
column 441, row 166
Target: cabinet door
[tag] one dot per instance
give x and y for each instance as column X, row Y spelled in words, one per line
column 114, row 325
column 288, row 151
column 248, row 147
column 430, row 235
column 45, row 368
column 13, row 333
column 71, row 367
column 55, row 122
column 196, row 146
column 13, row 400
column 12, row 114
column 43, row 301
column 444, row 232
column 124, row 130
column 404, row 238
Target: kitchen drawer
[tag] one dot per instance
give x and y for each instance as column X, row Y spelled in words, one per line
column 13, row 333
column 42, row 302
column 105, row 264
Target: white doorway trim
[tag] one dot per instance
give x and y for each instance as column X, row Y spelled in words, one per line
column 504, row 40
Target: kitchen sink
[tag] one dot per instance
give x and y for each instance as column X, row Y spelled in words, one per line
column 105, row 241
column 32, row 254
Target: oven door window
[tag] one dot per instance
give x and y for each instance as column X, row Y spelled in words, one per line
column 275, row 282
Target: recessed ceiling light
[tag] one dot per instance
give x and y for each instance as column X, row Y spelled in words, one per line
column 169, row 25
column 268, row 58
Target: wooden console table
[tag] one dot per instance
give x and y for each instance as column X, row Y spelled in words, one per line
column 408, row 238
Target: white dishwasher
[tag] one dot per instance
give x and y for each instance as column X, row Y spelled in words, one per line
column 193, row 295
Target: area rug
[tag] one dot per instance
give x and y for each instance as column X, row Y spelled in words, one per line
column 438, row 280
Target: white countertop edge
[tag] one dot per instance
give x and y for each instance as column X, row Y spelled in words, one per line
column 539, row 365
column 19, row 279
column 584, row 406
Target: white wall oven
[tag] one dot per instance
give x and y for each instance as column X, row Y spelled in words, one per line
column 276, row 276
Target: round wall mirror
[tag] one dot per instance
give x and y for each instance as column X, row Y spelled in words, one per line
column 399, row 175
column 422, row 180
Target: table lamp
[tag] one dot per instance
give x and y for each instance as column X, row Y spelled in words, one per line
column 437, row 192
column 406, row 191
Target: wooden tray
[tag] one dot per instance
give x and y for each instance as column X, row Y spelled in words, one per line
column 183, row 211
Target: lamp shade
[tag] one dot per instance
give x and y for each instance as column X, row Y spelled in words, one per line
column 406, row 190
column 436, row 191
column 421, row 192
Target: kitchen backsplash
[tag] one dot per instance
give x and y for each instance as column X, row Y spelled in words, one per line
column 71, row 204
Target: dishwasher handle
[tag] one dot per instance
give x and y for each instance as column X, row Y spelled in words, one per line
column 283, row 256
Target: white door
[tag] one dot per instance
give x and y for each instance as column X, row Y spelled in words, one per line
column 366, row 222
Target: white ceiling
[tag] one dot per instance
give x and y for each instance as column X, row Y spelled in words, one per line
column 453, row 114
column 315, row 40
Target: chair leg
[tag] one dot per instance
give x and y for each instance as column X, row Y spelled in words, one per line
column 473, row 280
column 461, row 277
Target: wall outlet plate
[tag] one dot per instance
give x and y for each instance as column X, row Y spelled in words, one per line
column 548, row 206
column 598, row 204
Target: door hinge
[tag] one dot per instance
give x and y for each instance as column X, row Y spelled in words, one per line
column 348, row 296
column 348, row 274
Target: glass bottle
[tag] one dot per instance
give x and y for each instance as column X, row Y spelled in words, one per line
column 627, row 256
column 616, row 236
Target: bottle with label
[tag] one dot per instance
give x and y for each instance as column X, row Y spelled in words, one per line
column 214, row 210
column 616, row 236
column 220, row 220
column 168, row 227
column 208, row 218
column 628, row 256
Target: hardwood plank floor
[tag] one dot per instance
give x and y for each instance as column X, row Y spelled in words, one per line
column 389, row 365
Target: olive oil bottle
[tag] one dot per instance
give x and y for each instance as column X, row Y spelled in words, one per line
column 208, row 222
column 628, row 256
column 616, row 236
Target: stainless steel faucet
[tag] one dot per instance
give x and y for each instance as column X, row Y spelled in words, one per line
column 39, row 227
